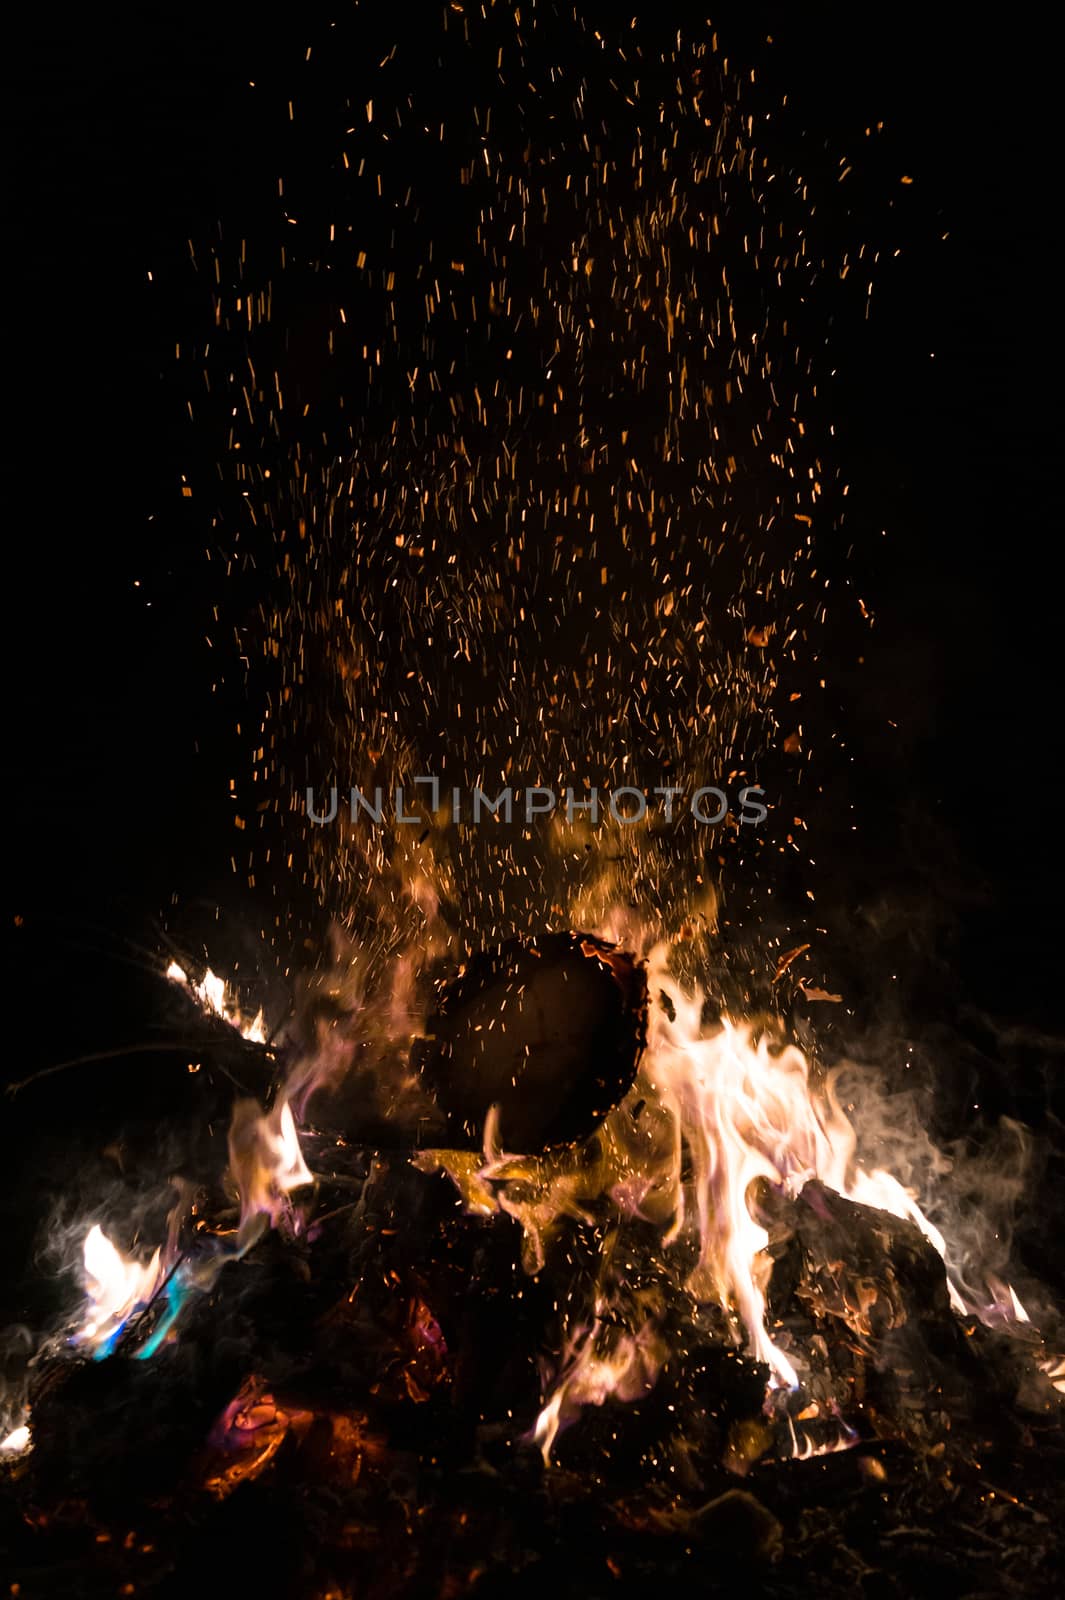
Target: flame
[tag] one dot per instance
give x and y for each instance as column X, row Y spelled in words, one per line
column 745, row 1115
column 266, row 1162
column 215, row 999
column 804, row 1447
column 116, row 1285
column 747, row 1109
column 1004, row 1306
column 18, row 1441
column 266, row 1165
column 1055, row 1371
column 714, row 1114
column 1018, row 1310
column 601, row 1364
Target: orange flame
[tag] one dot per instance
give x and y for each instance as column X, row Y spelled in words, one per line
column 745, row 1108
column 266, row 1162
column 215, row 998
column 624, row 1369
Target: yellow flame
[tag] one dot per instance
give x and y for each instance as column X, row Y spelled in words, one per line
column 625, row 1369
column 1019, row 1312
column 1055, row 1371
column 265, row 1161
column 116, row 1285
column 215, row 999
column 17, row 1442
column 804, row 1448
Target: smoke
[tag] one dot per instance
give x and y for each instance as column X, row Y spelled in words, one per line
column 970, row 1188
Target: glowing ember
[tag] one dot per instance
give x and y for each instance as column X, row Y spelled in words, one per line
column 253, row 1427
column 247, row 1436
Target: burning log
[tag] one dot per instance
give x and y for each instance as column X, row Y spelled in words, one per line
column 867, row 1269
column 884, row 1345
column 548, row 1030
column 534, row 1042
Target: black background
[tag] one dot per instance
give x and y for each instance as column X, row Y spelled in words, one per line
column 130, row 130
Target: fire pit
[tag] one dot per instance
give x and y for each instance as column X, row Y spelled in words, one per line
column 660, row 1344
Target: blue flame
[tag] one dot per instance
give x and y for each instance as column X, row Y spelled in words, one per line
column 176, row 1293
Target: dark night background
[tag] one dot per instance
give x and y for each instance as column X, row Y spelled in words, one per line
column 130, row 130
